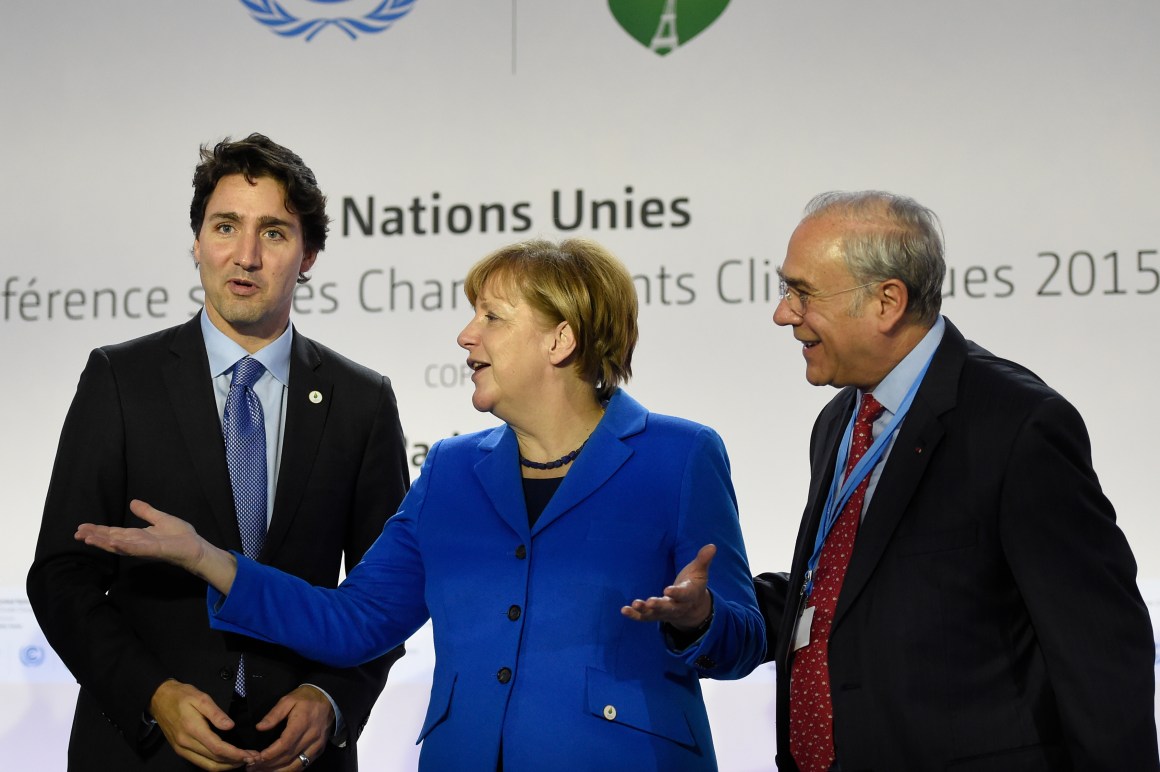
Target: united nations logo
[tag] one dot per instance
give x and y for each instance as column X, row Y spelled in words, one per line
column 376, row 16
column 663, row 26
column 32, row 656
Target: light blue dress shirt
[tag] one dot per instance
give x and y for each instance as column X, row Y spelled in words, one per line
column 223, row 354
column 892, row 390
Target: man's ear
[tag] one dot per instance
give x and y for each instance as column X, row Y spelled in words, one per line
column 563, row 343
column 890, row 304
column 307, row 262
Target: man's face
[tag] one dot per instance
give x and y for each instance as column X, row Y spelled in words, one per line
column 839, row 342
column 249, row 253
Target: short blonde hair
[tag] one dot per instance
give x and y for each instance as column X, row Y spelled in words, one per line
column 579, row 282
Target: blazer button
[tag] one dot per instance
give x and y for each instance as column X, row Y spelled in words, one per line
column 610, row 712
column 504, row 675
column 705, row 663
column 521, row 552
column 514, row 613
column 226, row 674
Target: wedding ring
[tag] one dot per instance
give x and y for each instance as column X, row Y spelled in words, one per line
column 304, row 759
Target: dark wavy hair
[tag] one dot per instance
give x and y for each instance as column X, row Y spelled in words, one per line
column 258, row 156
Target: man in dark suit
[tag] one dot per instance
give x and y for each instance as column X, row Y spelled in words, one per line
column 987, row 615
column 159, row 689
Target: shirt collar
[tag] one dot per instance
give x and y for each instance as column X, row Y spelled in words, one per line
column 224, row 353
column 894, row 386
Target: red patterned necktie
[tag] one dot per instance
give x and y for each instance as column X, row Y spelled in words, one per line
column 811, row 711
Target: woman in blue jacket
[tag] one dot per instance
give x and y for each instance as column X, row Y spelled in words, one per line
column 527, row 544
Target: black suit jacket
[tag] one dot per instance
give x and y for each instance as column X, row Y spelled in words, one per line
column 144, row 424
column 990, row 618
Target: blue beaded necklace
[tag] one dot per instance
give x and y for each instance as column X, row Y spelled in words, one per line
column 567, row 458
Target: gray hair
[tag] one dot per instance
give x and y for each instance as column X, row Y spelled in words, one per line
column 890, row 237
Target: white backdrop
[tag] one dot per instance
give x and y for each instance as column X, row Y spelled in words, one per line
column 1031, row 128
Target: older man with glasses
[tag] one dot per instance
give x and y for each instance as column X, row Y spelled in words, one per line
column 960, row 595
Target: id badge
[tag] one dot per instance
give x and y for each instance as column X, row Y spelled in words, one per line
column 801, row 629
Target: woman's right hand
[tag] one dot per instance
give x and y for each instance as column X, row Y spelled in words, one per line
column 167, row 538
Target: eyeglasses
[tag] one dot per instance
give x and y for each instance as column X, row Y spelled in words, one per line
column 797, row 302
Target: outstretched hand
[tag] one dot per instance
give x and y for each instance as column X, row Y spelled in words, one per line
column 686, row 603
column 166, row 538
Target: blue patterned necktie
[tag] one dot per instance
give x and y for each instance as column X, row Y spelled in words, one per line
column 245, row 436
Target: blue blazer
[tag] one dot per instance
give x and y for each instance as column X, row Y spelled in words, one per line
column 531, row 649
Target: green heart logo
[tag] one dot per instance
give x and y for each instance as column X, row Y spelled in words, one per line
column 663, row 26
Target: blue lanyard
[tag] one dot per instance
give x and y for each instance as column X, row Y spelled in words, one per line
column 837, row 497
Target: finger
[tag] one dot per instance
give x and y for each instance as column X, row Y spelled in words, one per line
column 205, row 762
column 147, row 512
column 283, row 752
column 695, row 575
column 116, row 540
column 703, row 559
column 91, row 534
column 653, row 609
column 683, row 592
column 209, row 742
column 276, row 715
column 215, row 715
column 203, row 743
column 292, row 741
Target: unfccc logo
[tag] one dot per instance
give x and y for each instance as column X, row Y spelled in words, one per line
column 32, row 656
column 366, row 17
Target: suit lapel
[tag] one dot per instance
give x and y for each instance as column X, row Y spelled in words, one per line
column 915, row 445
column 498, row 473
column 604, row 453
column 827, row 436
column 308, row 400
column 189, row 386
column 825, row 454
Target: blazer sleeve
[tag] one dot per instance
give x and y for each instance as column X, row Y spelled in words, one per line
column 734, row 644
column 772, row 589
column 1077, row 576
column 383, row 480
column 378, row 606
column 67, row 582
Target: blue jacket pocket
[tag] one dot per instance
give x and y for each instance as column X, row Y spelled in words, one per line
column 655, row 707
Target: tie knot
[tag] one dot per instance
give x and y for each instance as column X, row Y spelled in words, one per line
column 870, row 409
column 247, row 372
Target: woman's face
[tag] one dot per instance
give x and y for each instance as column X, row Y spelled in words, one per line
column 508, row 347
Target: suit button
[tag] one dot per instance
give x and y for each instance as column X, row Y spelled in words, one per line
column 705, row 663
column 521, row 552
column 504, row 675
column 514, row 613
column 610, row 712
column 226, row 674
